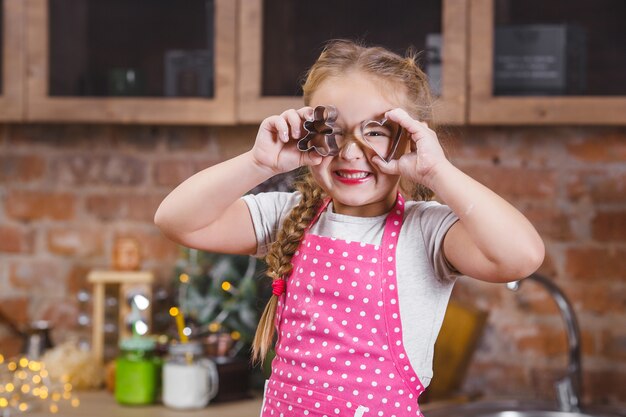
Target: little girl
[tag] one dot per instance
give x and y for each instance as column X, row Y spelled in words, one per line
column 362, row 264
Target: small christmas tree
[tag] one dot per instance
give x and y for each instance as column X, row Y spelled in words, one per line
column 221, row 295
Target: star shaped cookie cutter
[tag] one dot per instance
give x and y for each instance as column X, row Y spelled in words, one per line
column 321, row 132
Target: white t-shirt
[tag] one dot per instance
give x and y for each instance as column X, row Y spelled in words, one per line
column 425, row 278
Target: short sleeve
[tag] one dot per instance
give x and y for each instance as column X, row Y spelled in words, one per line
column 435, row 221
column 267, row 211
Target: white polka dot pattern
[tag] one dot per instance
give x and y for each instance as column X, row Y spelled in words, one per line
column 339, row 350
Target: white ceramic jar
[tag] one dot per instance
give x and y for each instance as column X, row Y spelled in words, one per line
column 190, row 380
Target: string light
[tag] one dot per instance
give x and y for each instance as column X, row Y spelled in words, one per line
column 26, row 385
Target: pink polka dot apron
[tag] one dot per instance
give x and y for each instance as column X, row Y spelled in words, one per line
column 339, row 351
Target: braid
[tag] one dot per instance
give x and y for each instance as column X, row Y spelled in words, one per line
column 279, row 257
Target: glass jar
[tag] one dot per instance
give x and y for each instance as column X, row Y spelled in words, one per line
column 137, row 372
column 190, row 380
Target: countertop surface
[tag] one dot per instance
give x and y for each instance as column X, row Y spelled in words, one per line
column 102, row 403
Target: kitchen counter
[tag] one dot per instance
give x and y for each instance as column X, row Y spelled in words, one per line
column 102, row 403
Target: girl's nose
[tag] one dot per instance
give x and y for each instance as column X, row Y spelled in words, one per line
column 351, row 150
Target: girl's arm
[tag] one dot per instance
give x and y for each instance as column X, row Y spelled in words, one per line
column 492, row 241
column 206, row 211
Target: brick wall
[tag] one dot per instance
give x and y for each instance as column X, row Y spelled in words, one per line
column 67, row 191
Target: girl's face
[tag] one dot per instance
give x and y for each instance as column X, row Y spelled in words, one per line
column 350, row 178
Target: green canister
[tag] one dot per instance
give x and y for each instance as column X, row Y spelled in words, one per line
column 137, row 372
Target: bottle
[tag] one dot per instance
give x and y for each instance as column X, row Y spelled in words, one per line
column 137, row 372
column 190, row 380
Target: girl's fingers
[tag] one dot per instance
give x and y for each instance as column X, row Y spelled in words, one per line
column 415, row 128
column 294, row 121
column 280, row 126
column 306, row 113
column 390, row 167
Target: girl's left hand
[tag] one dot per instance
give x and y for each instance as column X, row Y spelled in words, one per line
column 426, row 154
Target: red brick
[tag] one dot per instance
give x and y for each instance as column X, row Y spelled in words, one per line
column 613, row 342
column 21, row 168
column 516, row 183
column 188, row 138
column 153, row 245
column 474, row 145
column 31, row 205
column 593, row 263
column 542, row 378
column 16, row 239
column 119, row 206
column 605, row 386
column 609, row 226
column 172, row 172
column 547, row 341
column 550, row 222
column 601, row 186
column 61, row 313
column 149, row 138
column 37, row 275
column 16, row 310
column 548, row 267
column 77, row 278
column 601, row 146
column 502, row 379
column 597, row 299
column 534, row 299
column 94, row 168
column 60, row 136
column 81, row 241
column 232, row 142
column 11, row 345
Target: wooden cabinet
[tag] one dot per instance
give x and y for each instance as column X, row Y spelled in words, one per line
column 12, row 60
column 94, row 67
column 602, row 100
column 281, row 38
column 70, row 60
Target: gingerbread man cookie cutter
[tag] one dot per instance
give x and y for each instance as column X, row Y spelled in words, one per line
column 321, row 131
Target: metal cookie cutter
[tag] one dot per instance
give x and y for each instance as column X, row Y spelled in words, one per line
column 321, row 132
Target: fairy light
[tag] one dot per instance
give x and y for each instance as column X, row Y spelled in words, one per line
column 27, row 382
column 226, row 286
column 184, row 278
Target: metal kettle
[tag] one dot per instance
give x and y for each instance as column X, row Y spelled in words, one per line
column 36, row 339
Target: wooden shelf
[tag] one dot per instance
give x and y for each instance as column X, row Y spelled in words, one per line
column 487, row 109
column 12, row 100
column 253, row 106
column 467, row 27
column 42, row 107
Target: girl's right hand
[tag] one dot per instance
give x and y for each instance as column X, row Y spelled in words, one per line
column 275, row 143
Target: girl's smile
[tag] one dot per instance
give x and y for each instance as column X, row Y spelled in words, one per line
column 352, row 176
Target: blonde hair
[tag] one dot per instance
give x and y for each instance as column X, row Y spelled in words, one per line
column 338, row 58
